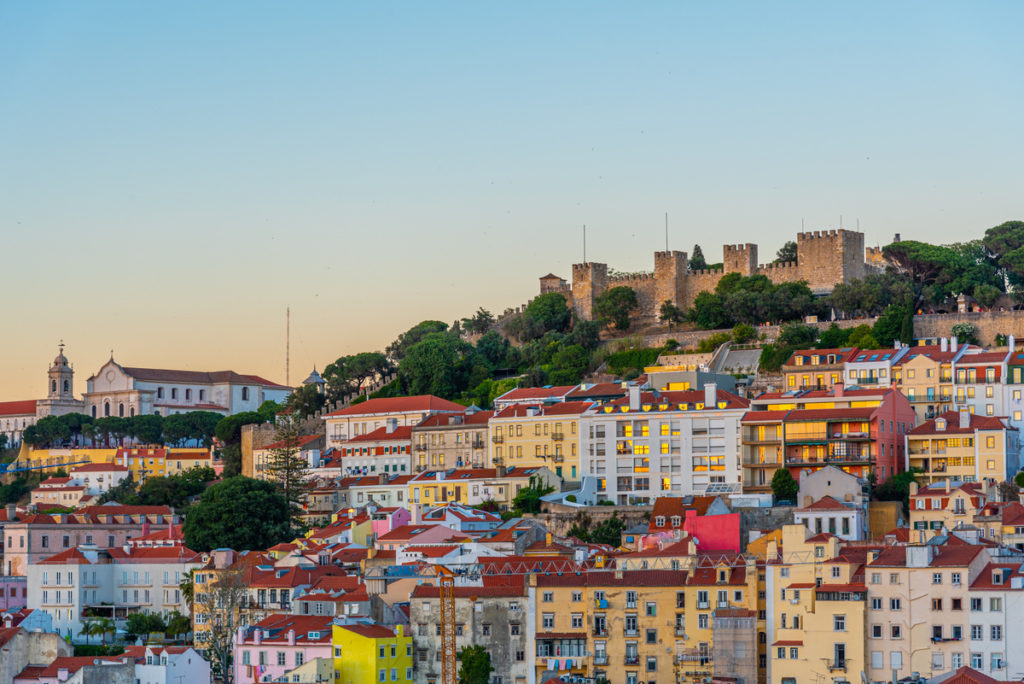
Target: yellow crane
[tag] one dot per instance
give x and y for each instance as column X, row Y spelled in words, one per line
column 446, row 589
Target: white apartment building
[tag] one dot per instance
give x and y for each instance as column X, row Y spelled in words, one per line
column 109, row 583
column 652, row 444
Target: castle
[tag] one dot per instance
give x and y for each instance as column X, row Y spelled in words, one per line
column 824, row 258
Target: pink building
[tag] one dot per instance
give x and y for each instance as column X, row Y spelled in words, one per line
column 272, row 648
column 13, row 593
column 405, row 535
column 384, row 520
column 31, row 538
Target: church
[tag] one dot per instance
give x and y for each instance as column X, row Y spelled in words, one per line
column 124, row 391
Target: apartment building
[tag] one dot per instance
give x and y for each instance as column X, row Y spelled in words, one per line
column 995, row 599
column 945, row 505
column 641, row 625
column 371, row 653
column 860, row 431
column 964, row 447
column 365, row 417
column 819, row 369
column 530, row 436
column 387, row 450
column 979, row 381
column 816, row 608
column 475, row 486
column 925, row 376
column 919, row 608
column 86, row 581
column 494, row 616
column 652, row 444
column 278, row 646
column 452, row 440
column 32, row 538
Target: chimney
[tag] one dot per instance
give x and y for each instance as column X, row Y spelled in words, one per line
column 63, row 674
column 382, row 478
column 532, row 411
column 439, row 475
column 943, row 344
column 12, row 512
column 952, row 344
column 914, row 487
column 965, row 418
column 837, row 389
column 1011, row 343
column 710, row 395
column 501, row 471
column 947, row 485
column 291, row 637
column 390, row 425
column 547, row 539
column 634, row 398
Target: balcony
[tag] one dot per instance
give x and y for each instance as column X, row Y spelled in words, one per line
column 558, row 436
column 703, row 605
column 601, row 603
column 693, row 655
column 630, row 631
column 722, row 604
column 837, row 666
column 498, row 439
column 478, row 443
column 680, row 631
column 420, row 447
column 600, row 658
column 631, row 659
column 600, row 630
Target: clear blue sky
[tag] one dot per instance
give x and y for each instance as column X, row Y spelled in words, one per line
column 173, row 176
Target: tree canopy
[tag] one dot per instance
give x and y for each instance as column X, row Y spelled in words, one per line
column 614, row 306
column 787, row 253
column 697, row 261
column 239, row 513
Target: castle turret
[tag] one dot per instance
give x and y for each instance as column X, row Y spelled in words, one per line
column 589, row 280
column 669, row 277
column 740, row 259
column 829, row 257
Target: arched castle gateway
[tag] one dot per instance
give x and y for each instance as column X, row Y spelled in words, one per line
column 824, row 258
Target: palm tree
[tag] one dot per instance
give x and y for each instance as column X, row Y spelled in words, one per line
column 188, row 587
column 88, row 630
column 104, row 626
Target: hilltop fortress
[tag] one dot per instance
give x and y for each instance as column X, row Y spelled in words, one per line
column 824, row 258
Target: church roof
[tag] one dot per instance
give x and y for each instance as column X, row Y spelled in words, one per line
column 314, row 379
column 18, row 408
column 197, row 377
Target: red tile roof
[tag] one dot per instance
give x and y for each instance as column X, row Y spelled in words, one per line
column 689, row 397
column 952, row 419
column 567, row 408
column 478, row 418
column 402, row 433
column 527, row 393
column 197, row 377
column 296, row 444
column 825, row 503
column 18, row 408
column 601, row 389
column 966, row 675
column 7, row 633
column 500, row 591
column 370, row 631
column 99, row 468
column 422, row 402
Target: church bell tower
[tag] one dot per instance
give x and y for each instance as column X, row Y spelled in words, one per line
column 61, row 378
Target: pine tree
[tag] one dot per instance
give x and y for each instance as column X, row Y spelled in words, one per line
column 287, row 468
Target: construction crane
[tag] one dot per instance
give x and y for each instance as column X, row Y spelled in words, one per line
column 446, row 587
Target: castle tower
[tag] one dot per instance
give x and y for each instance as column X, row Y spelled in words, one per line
column 61, row 377
column 589, row 280
column 829, row 257
column 669, row 277
column 740, row 259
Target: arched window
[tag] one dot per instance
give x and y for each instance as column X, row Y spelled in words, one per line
column 66, row 388
column 53, row 385
column 106, row 408
column 94, row 411
column 132, row 411
column 120, row 410
column 245, row 394
column 188, row 395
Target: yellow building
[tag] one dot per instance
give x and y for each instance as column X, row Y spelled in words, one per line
column 925, row 376
column 650, row 625
column 49, row 460
column 816, row 629
column 944, row 505
column 818, row 369
column 371, row 653
column 179, row 459
column 964, row 447
column 525, row 436
column 477, row 485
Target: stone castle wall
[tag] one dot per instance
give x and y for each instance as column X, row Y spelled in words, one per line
column 988, row 323
column 824, row 258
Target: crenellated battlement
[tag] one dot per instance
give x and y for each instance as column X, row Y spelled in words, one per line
column 824, row 258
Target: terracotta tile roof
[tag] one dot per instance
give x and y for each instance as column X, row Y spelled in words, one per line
column 402, row 433
column 69, row 557
column 983, row 357
column 842, row 354
column 819, row 538
column 456, row 475
column 1013, row 514
column 18, row 408
column 567, row 408
column 788, row 643
column 966, row 675
column 601, row 389
column 370, row 631
column 984, row 579
column 428, row 591
column 856, row 586
column 952, row 419
column 763, row 416
column 197, row 377
column 474, row 418
column 825, row 503
column 955, row 556
column 99, row 468
column 422, row 402
column 407, row 532
column 7, row 633
column 280, row 624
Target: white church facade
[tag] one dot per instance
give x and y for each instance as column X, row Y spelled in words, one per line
column 123, row 391
column 117, row 390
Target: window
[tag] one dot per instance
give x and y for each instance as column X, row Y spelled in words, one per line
column 548, row 620
column 936, row 578
column 281, row 658
column 876, row 631
column 936, row 604
column 652, row 636
column 997, row 633
column 995, row 605
column 977, row 633
column 577, row 620
column 895, row 604
column 895, row 632
column 876, row 604
column 975, row 605
column 997, row 661
column 836, row 571
column 485, row 629
column 652, row 664
column 513, row 628
column 577, row 596
column 838, row 623
column 549, row 596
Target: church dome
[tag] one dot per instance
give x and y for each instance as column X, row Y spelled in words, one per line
column 60, row 361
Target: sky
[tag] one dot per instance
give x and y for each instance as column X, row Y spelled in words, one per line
column 174, row 176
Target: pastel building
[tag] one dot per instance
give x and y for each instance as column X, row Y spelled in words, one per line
column 367, row 416
column 964, row 447
column 278, row 645
column 371, row 653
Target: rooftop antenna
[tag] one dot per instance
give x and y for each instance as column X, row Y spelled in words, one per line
column 666, row 231
column 840, row 222
column 584, row 243
column 287, row 345
column 801, row 225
